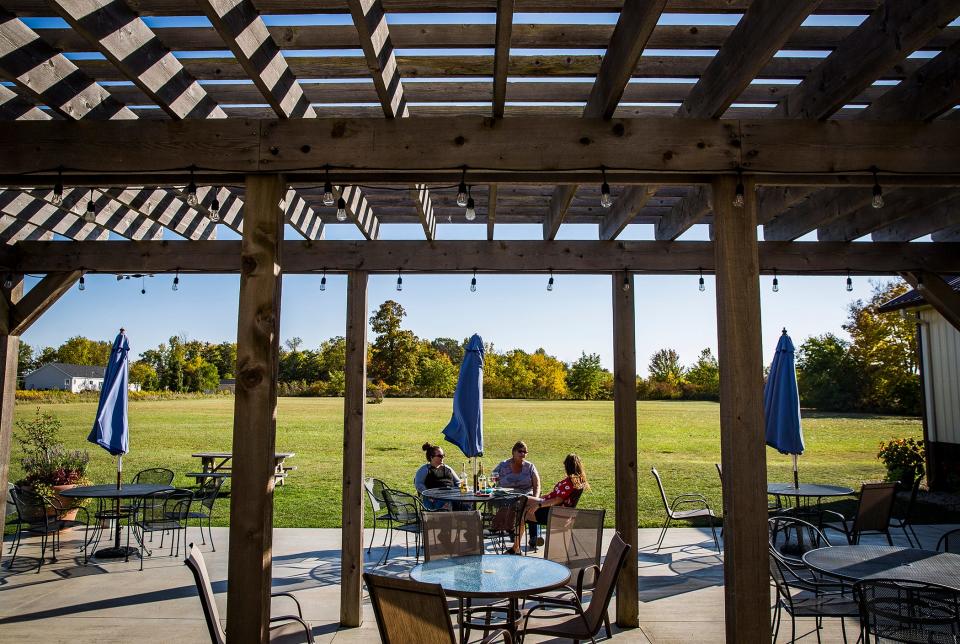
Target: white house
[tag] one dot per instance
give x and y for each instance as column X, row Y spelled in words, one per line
column 940, row 376
column 66, row 377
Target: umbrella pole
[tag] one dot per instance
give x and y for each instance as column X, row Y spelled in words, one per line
column 796, row 479
column 116, row 538
column 475, row 482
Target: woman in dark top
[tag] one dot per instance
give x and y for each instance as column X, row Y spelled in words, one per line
column 434, row 474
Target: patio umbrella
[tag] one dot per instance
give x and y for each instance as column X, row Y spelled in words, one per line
column 111, row 430
column 781, row 405
column 465, row 429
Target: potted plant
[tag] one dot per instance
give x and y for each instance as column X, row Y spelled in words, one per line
column 904, row 460
column 48, row 467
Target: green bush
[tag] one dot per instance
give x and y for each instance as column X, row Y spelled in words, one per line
column 903, row 458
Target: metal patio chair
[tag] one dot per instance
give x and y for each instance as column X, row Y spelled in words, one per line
column 800, row 597
column 154, row 476
column 164, row 511
column 873, row 513
column 407, row 518
column 374, row 489
column 411, row 612
column 949, row 541
column 205, row 500
column 40, row 516
column 673, row 514
column 912, row 612
column 503, row 519
column 791, row 538
column 283, row 627
column 905, row 521
column 584, row 623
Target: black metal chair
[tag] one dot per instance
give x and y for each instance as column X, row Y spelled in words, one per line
column 407, row 518
column 801, row 597
column 41, row 516
column 873, row 513
column 374, row 489
column 164, row 511
column 905, row 520
column 154, row 476
column 673, row 514
column 205, row 500
column 791, row 538
column 949, row 541
column 912, row 612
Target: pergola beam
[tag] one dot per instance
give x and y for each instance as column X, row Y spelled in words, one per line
column 899, row 205
column 943, row 215
column 436, row 145
column 584, row 257
column 501, row 56
column 937, row 293
column 37, row 300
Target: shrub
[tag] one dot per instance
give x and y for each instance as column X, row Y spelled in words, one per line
column 903, row 458
column 45, row 461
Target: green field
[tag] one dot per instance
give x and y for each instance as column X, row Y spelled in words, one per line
column 680, row 438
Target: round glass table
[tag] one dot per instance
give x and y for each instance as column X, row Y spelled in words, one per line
column 453, row 494
column 854, row 563
column 111, row 491
column 494, row 577
column 807, row 490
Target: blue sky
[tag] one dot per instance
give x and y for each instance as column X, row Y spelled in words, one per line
column 511, row 311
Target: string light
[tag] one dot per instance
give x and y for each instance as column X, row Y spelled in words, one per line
column 328, row 198
column 143, row 285
column 849, row 282
column 8, row 281
column 471, row 213
column 90, row 215
column 550, row 281
column 462, row 190
column 626, row 280
column 341, row 209
column 57, row 198
column 214, row 208
column 877, row 200
column 191, row 191
column 703, row 286
column 176, row 281
column 399, row 280
column 323, row 281
column 738, row 198
column 473, row 282
column 605, row 199
column 83, row 284
column 776, row 282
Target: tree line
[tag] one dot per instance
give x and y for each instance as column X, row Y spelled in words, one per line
column 876, row 371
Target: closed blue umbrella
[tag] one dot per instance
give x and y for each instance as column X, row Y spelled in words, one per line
column 465, row 429
column 111, row 429
column 781, row 404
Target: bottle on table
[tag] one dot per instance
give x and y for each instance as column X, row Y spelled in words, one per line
column 463, row 479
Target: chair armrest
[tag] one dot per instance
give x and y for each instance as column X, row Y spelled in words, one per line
column 580, row 576
column 294, row 618
column 577, row 606
column 682, row 501
column 281, row 594
column 505, row 634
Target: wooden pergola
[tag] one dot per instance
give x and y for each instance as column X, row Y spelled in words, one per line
column 246, row 125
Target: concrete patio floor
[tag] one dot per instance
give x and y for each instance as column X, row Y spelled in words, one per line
column 680, row 591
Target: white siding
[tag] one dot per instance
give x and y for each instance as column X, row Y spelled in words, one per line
column 941, row 361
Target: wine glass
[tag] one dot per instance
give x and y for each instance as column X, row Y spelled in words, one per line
column 494, row 479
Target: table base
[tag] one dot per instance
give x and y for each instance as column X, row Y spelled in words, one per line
column 117, row 552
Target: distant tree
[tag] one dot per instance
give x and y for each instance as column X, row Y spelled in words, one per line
column 24, row 359
column 665, row 366
column 336, row 383
column 394, row 359
column 549, row 376
column 174, row 364
column 517, row 374
column 141, row 373
column 47, row 355
column 494, row 383
column 436, row 376
column 451, row 348
column 704, row 375
column 331, row 357
column 83, row 351
column 827, row 374
column 224, row 357
column 294, row 344
column 199, row 375
column 586, row 377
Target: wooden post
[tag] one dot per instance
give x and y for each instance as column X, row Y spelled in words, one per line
column 355, row 395
column 625, row 442
column 9, row 358
column 743, row 453
column 255, row 413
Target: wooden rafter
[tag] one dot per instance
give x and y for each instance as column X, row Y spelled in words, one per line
column 634, row 26
column 168, row 209
column 111, row 215
column 947, row 235
column 686, row 212
column 891, row 33
column 421, row 197
column 501, row 56
column 624, row 210
column 491, row 210
column 38, row 212
column 937, row 293
column 820, row 258
column 942, row 216
column 38, row 299
column 898, row 205
column 821, row 207
column 13, row 230
column 14, row 108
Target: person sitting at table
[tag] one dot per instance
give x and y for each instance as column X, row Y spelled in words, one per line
column 434, row 474
column 562, row 494
column 521, row 475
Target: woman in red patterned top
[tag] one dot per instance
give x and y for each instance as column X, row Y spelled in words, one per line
column 562, row 494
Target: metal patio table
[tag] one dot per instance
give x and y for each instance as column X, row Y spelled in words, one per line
column 807, row 491
column 509, row 577
column 453, row 494
column 853, row 563
column 110, row 491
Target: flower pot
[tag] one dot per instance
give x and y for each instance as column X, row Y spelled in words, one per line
column 71, row 514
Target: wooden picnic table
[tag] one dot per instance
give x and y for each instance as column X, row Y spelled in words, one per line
column 215, row 465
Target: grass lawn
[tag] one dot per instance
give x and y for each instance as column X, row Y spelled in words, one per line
column 680, row 438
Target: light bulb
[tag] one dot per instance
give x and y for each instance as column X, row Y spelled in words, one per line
column 849, row 283
column 473, row 284
column 606, row 200
column 323, row 282
column 703, row 286
column 341, row 209
column 471, row 213
column 57, row 197
column 738, row 199
column 83, row 285
column 550, row 283
column 328, row 198
column 776, row 284
column 192, row 194
column 877, row 200
column 626, row 283
column 8, row 281
column 462, row 195
column 399, row 282
column 143, row 290
column 214, row 210
column 90, row 214
column 176, row 282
